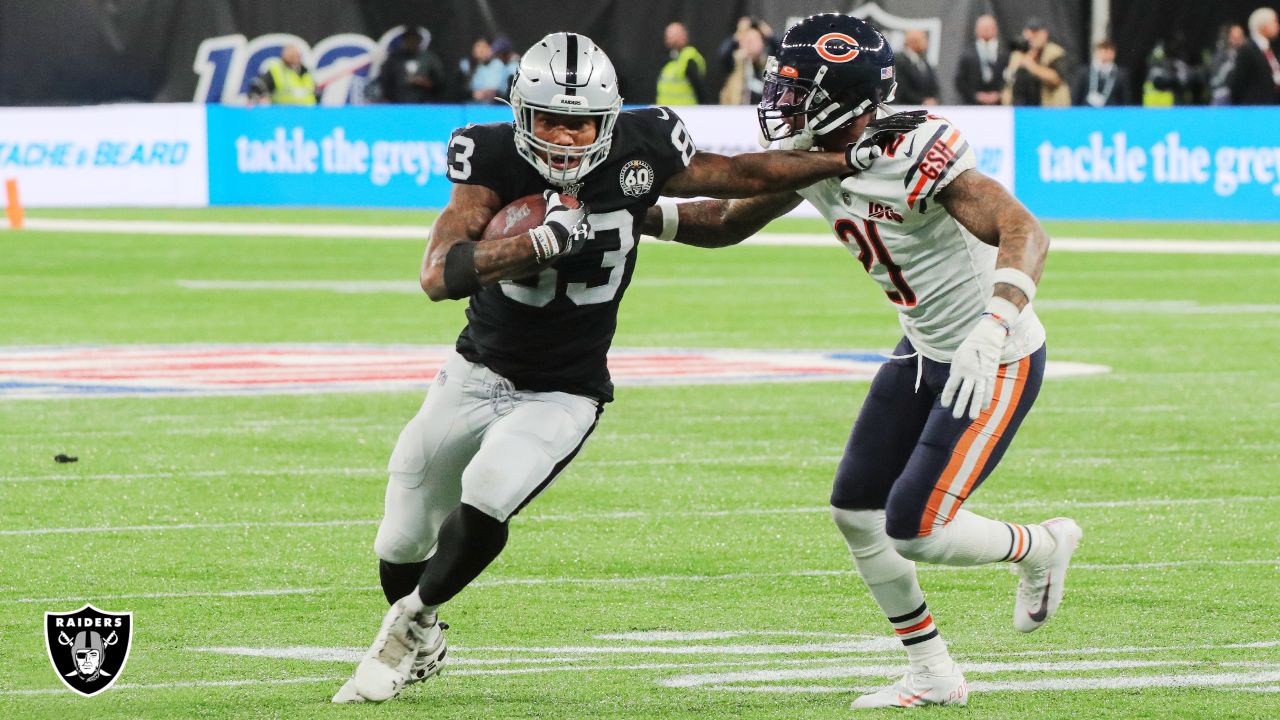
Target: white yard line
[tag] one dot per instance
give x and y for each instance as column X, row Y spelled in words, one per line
column 1232, row 681
column 173, row 474
column 417, row 232
column 649, row 579
column 624, row 514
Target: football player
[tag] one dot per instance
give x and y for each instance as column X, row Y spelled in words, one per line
column 959, row 259
column 528, row 382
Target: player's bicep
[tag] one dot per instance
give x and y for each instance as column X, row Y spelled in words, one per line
column 980, row 204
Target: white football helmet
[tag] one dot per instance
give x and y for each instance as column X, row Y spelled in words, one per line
column 565, row 73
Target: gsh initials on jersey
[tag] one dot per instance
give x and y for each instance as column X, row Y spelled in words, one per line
column 88, row 647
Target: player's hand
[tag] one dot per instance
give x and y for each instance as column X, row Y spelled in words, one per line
column 879, row 134
column 564, row 230
column 972, row 382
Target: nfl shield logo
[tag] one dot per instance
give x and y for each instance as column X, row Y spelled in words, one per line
column 88, row 647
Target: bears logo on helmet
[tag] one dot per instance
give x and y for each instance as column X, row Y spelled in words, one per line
column 837, row 47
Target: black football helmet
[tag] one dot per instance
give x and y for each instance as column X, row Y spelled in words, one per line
column 830, row 69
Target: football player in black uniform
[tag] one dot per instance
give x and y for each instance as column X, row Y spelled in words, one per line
column 529, row 381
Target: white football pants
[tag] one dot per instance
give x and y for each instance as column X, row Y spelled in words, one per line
column 476, row 441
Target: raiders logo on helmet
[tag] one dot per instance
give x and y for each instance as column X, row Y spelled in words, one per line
column 636, row 178
column 88, row 647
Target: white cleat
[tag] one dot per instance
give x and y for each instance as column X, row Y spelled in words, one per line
column 1040, row 586
column 385, row 669
column 939, row 685
column 431, row 652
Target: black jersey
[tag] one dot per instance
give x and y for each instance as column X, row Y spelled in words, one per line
column 552, row 331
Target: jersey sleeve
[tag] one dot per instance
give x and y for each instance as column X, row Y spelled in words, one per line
column 483, row 155
column 940, row 154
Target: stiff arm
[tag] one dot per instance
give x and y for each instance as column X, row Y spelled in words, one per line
column 995, row 217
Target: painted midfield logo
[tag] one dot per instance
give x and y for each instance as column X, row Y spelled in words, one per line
column 88, row 647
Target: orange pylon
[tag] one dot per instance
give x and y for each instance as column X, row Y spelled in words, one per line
column 15, row 205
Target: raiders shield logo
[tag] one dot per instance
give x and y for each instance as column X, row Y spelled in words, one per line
column 88, row 647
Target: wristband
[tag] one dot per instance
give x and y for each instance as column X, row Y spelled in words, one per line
column 546, row 242
column 670, row 221
column 1016, row 278
column 460, row 277
column 1003, row 312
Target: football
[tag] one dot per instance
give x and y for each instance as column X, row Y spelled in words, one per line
column 520, row 216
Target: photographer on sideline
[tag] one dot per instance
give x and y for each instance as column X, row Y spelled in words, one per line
column 1038, row 70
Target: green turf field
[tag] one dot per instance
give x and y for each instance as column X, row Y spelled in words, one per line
column 684, row 566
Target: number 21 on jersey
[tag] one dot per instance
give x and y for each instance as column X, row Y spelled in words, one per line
column 871, row 248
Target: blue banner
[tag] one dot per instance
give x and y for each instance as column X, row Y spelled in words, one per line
column 1149, row 164
column 377, row 156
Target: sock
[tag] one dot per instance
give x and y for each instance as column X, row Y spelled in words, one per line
column 970, row 539
column 469, row 540
column 399, row 579
column 891, row 579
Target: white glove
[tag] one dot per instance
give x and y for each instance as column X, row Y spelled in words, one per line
column 972, row 382
column 565, row 227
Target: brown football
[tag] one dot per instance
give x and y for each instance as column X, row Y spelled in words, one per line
column 520, row 216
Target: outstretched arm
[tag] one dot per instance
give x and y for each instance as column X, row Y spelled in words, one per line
column 720, row 223
column 463, row 221
column 995, row 217
column 751, row 174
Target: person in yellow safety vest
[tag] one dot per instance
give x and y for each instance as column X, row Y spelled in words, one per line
column 285, row 82
column 683, row 79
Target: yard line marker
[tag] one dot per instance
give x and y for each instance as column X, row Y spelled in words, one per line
column 1232, row 681
column 622, row 515
column 419, row 233
column 646, row 579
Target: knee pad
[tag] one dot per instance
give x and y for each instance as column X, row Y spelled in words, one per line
column 873, row 552
column 395, row 547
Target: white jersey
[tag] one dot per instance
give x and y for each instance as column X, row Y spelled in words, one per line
column 932, row 269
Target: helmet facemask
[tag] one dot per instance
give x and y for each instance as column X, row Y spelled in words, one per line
column 788, row 97
column 545, row 156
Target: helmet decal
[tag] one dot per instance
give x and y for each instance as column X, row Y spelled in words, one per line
column 837, row 47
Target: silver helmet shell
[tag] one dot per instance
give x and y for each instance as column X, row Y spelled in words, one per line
column 565, row 73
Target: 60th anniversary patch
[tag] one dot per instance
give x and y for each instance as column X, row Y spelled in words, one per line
column 169, row 370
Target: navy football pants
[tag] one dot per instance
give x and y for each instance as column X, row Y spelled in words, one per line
column 908, row 456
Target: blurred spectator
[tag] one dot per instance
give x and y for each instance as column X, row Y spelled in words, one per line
column 412, row 73
column 980, row 77
column 1223, row 63
column 730, row 44
column 1102, row 84
column 285, row 82
column 746, row 83
column 486, row 74
column 683, row 79
column 1256, row 80
column 1038, row 69
column 917, row 80
column 1171, row 80
column 506, row 52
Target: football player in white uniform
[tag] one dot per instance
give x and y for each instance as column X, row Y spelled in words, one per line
column 959, row 259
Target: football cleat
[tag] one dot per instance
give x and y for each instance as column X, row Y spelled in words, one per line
column 431, row 652
column 940, row 685
column 1040, row 586
column 385, row 669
